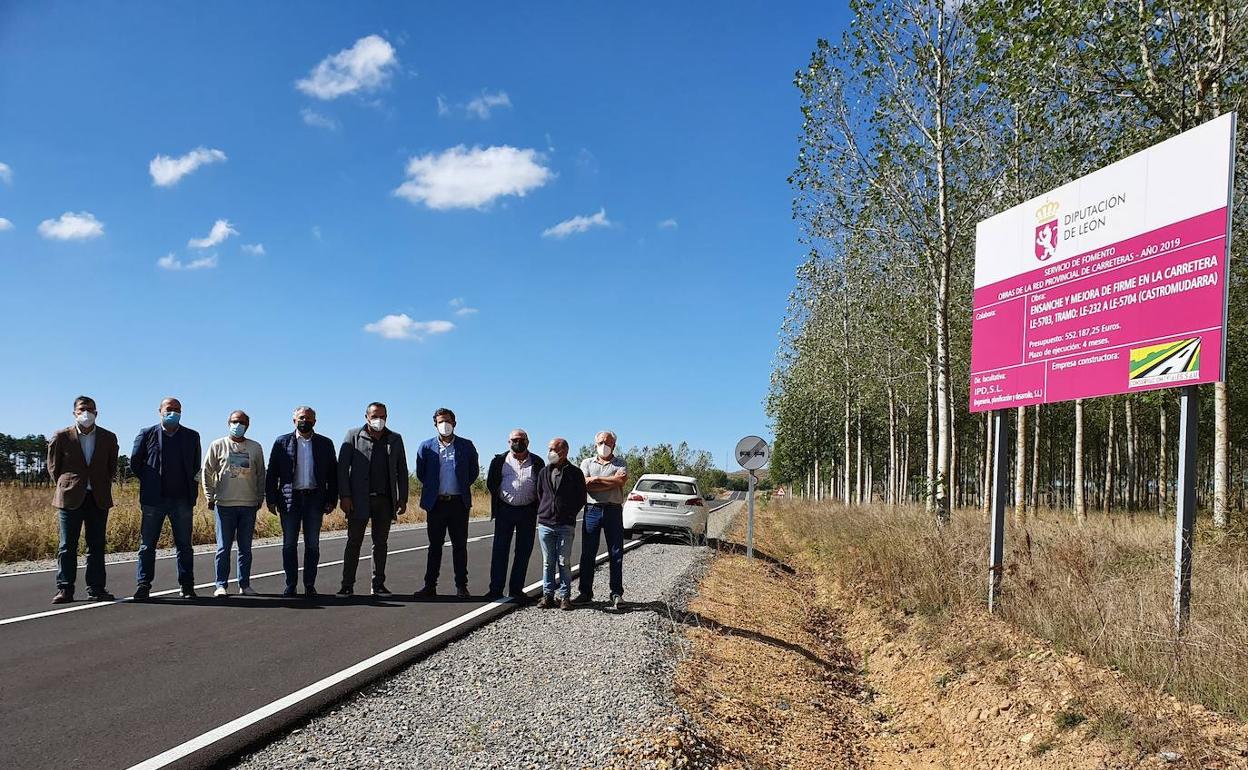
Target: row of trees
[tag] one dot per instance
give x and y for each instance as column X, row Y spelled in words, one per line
column 925, row 118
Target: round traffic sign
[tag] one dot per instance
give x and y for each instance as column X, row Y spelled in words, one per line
column 752, row 453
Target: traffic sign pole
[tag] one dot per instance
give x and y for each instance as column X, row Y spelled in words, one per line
column 749, row 545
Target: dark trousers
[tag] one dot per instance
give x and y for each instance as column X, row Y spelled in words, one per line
column 448, row 517
column 380, row 513
column 522, row 522
column 603, row 520
column 95, row 519
column 179, row 511
column 307, row 511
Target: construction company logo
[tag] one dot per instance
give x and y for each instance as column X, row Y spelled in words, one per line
column 1174, row 361
column 1046, row 230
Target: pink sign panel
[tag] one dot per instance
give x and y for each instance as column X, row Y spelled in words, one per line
column 1086, row 299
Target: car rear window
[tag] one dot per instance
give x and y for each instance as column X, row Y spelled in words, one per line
column 667, row 487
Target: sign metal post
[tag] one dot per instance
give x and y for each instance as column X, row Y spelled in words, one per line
column 1000, row 494
column 752, row 454
column 1185, row 504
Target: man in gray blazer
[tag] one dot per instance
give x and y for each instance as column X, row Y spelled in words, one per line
column 372, row 486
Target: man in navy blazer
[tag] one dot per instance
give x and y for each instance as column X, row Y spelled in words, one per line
column 166, row 458
column 446, row 466
column 301, row 487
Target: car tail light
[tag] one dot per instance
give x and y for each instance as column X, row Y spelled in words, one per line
column 694, row 501
column 636, row 498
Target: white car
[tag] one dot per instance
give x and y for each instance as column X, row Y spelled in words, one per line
column 661, row 503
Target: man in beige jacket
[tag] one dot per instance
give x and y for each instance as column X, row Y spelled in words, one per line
column 233, row 479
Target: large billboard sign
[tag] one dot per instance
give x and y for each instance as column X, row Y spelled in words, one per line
column 1113, row 283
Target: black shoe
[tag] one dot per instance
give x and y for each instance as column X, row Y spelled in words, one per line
column 188, row 592
column 142, row 592
column 521, row 598
column 345, row 591
column 428, row 592
column 583, row 598
column 310, row 591
column 492, row 594
column 100, row 596
column 288, row 592
column 63, row 596
column 462, row 593
column 546, row 602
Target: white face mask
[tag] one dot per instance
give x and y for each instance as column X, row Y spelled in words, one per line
column 552, row 457
column 445, row 429
column 604, row 450
column 377, row 423
column 85, row 419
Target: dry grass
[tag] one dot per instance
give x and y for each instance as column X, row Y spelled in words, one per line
column 1102, row 590
column 28, row 522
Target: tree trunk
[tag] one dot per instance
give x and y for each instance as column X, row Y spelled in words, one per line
column 858, row 474
column 985, row 500
column 1081, row 510
column 890, row 496
column 1131, row 453
column 1035, row 460
column 1020, row 466
column 1221, row 518
column 1163, row 466
column 1109, row 461
column 930, row 493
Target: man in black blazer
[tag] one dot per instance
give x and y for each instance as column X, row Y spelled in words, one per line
column 301, row 487
column 512, row 482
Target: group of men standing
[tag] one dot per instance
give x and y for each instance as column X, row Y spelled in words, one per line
column 305, row 479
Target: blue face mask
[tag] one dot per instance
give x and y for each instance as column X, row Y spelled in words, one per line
column 171, row 419
column 237, row 429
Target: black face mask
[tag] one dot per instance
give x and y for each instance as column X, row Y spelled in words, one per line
column 304, row 426
column 519, row 446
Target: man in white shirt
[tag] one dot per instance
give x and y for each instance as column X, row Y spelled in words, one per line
column 512, row 483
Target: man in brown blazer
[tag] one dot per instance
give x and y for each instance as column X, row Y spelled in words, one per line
column 82, row 461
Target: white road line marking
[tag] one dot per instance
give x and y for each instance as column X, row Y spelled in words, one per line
column 93, row 605
column 279, row 705
column 202, row 553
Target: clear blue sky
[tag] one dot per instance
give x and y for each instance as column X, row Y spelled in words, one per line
column 328, row 136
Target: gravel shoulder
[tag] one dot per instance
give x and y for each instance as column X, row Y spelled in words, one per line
column 533, row 689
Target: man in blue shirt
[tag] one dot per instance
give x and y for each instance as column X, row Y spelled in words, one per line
column 446, row 466
column 166, row 458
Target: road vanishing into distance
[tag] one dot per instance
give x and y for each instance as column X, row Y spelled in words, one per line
column 171, row 682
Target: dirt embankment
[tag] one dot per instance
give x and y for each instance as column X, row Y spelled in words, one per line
column 786, row 671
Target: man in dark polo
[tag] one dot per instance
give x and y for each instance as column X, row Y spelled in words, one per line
column 301, row 487
column 82, row 461
column 512, row 482
column 166, row 457
column 446, row 466
column 372, row 485
column 560, row 497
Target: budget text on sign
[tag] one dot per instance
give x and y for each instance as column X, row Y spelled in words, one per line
column 1113, row 283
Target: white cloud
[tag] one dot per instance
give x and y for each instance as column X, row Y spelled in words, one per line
column 170, row 262
column 166, row 171
column 669, row 224
column 5, row 224
column 481, row 106
column 254, row 249
column 461, row 307
column 316, row 232
column 464, row 178
column 577, row 224
column 6, row 173
column 402, row 327
column 72, row 227
column 365, row 66
column 221, row 229
column 316, row 119
column 443, row 107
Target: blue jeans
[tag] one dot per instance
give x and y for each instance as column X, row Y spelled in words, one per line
column 95, row 519
column 179, row 514
column 557, row 552
column 306, row 512
column 608, row 520
column 235, row 522
column 522, row 522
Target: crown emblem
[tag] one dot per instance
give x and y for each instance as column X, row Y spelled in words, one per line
column 1047, row 211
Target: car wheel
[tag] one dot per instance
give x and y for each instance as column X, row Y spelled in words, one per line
column 629, row 534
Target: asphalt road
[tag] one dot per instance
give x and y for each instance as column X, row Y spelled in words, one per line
column 119, row 684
